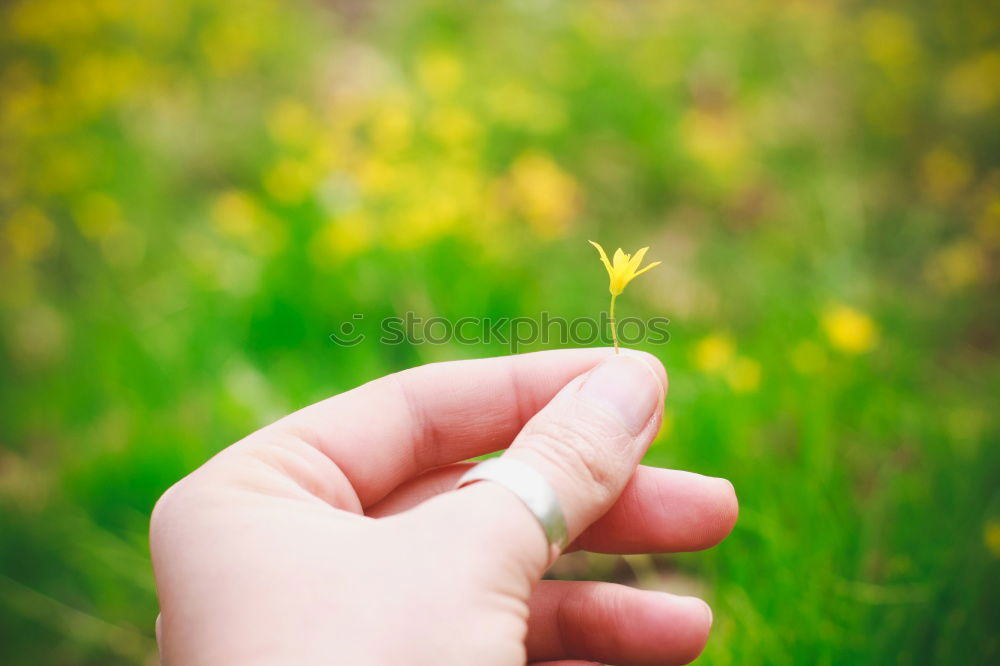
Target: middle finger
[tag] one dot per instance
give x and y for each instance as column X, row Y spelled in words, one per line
column 660, row 510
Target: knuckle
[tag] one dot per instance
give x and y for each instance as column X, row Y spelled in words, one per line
column 574, row 449
column 159, row 519
column 164, row 506
column 170, row 508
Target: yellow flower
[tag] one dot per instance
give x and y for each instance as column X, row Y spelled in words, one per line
column 713, row 353
column 439, row 72
column 290, row 181
column 958, row 265
column 969, row 88
column 97, row 215
column 945, row 174
column 345, row 236
column 850, row 330
column 714, row 139
column 889, row 38
column 291, row 123
column 991, row 536
column 546, row 195
column 744, row 375
column 624, row 269
column 29, row 233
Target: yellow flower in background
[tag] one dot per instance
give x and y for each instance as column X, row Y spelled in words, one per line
column 713, row 138
column 988, row 221
column 453, row 126
column 546, row 195
column 65, row 171
column 991, row 536
column 341, row 238
column 889, row 38
column 291, row 123
column 944, row 174
column 971, row 86
column 966, row 426
column 234, row 214
column 624, row 269
column 439, row 72
column 965, row 262
column 289, row 181
column 230, row 46
column 849, row 330
column 29, row 233
column 714, row 352
column 97, row 215
column 512, row 103
column 743, row 375
column 392, row 127
column 377, row 177
column 38, row 335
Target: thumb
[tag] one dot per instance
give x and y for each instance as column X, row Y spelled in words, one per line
column 586, row 442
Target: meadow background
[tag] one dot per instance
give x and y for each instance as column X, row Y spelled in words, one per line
column 195, row 193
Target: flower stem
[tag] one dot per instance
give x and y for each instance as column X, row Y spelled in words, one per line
column 614, row 325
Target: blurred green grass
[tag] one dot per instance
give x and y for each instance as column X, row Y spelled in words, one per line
column 195, row 194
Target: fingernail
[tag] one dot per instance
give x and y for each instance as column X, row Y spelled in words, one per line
column 626, row 386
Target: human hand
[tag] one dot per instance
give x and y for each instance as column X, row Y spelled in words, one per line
column 334, row 535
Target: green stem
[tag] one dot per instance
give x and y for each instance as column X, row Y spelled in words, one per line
column 614, row 326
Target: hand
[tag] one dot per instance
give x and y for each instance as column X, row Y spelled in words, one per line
column 333, row 536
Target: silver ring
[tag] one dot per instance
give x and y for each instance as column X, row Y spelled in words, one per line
column 532, row 489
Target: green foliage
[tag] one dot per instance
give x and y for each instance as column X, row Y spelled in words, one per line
column 195, row 194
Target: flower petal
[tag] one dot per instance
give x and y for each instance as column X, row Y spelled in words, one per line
column 637, row 258
column 604, row 259
column 620, row 260
column 652, row 265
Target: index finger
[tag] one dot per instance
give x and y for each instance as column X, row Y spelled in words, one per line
column 395, row 427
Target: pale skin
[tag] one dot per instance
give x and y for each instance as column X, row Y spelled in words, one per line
column 335, row 535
